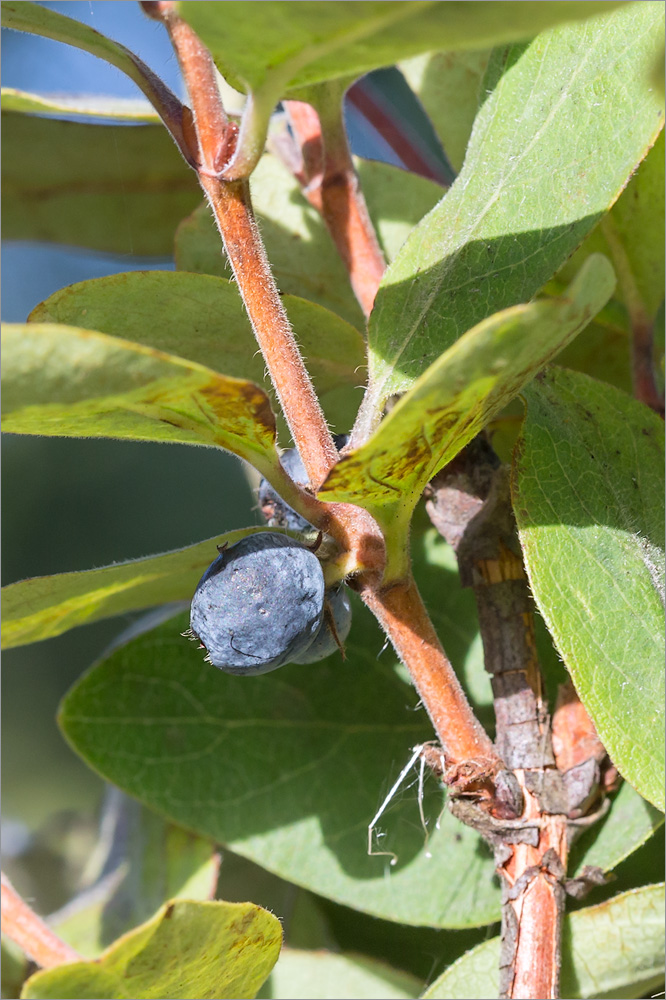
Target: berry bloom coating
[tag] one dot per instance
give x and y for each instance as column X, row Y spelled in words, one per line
column 259, row 605
column 337, row 611
column 279, row 514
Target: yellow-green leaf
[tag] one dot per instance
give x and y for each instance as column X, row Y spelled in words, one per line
column 44, row 606
column 455, row 398
column 67, row 382
column 588, row 492
column 203, row 950
column 202, row 318
column 128, row 109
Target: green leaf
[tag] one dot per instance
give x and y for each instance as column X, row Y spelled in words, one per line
column 257, row 766
column 302, row 255
column 188, row 949
column 448, row 85
column 455, row 398
column 542, row 166
column 289, row 45
column 44, row 606
column 66, row 382
column 106, row 187
column 397, row 200
column 127, row 109
column 147, row 862
column 633, row 236
column 202, row 318
column 588, row 496
column 605, row 947
column 301, row 975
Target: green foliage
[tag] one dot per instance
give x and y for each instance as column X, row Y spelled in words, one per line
column 561, row 175
column 204, row 949
column 611, row 946
column 588, row 496
column 454, row 399
column 542, row 167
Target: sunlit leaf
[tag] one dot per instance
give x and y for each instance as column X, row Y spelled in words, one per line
column 455, row 398
column 44, row 606
column 542, row 167
column 187, row 949
column 589, row 501
column 290, row 45
column 606, row 947
column 91, row 105
column 66, row 382
column 202, row 318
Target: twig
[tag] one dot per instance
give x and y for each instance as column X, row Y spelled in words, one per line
column 331, row 185
column 399, row 608
column 30, row 933
column 469, row 753
column 470, row 505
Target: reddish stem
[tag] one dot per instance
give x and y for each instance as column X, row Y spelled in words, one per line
column 400, row 611
column 30, row 933
column 332, row 187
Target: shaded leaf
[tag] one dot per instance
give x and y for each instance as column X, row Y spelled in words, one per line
column 302, row 255
column 202, row 318
column 44, row 606
column 543, row 165
column 67, row 382
column 448, row 85
column 107, row 187
column 257, row 767
column 633, row 236
column 147, row 861
column 91, row 105
column 187, row 949
column 291, row 45
column 301, row 975
column 605, row 947
column 588, row 497
column 455, row 398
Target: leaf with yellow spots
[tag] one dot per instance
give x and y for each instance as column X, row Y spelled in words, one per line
column 188, row 949
column 63, row 381
column 455, row 398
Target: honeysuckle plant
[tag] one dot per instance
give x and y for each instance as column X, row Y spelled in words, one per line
column 505, row 332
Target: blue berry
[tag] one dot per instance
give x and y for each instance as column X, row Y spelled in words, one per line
column 334, row 628
column 279, row 514
column 259, row 605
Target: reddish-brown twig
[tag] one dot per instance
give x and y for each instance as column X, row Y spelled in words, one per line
column 331, row 185
column 30, row 933
column 399, row 608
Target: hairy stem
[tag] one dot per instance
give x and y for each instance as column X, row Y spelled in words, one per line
column 30, row 933
column 400, row 611
column 398, row 608
column 334, row 190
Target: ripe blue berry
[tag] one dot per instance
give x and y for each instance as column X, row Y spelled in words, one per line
column 334, row 628
column 279, row 514
column 259, row 605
